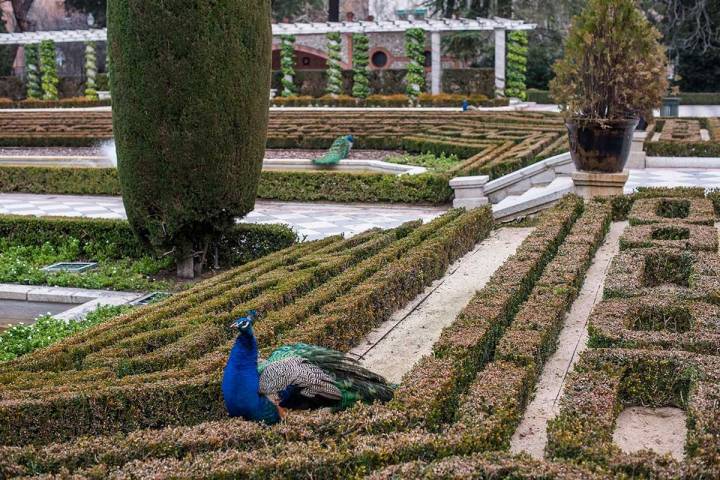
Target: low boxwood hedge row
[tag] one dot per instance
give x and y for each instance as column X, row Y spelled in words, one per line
column 432, row 387
column 115, row 238
column 682, row 237
column 319, row 444
column 274, row 185
column 73, row 102
column 696, row 211
column 658, row 322
column 493, row 406
column 134, row 401
column 607, row 380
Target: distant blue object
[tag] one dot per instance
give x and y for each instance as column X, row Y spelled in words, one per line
column 465, row 105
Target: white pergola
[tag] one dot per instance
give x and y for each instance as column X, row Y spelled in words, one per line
column 435, row 27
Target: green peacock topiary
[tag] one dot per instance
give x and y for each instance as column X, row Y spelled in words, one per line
column 517, row 52
column 361, row 60
column 32, row 71
column 190, row 113
column 90, row 71
column 415, row 51
column 48, row 69
column 287, row 66
column 334, row 69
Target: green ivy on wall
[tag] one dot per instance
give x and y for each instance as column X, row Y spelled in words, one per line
column 334, row 69
column 32, row 71
column 287, row 65
column 48, row 69
column 415, row 51
column 517, row 52
column 90, row 71
column 361, row 60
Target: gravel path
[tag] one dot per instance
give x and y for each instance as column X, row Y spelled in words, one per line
column 531, row 434
column 393, row 348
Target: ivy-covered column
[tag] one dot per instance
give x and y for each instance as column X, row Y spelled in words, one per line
column 90, row 71
column 48, row 69
column 361, row 60
column 287, row 65
column 32, row 71
column 517, row 65
column 334, row 68
column 415, row 50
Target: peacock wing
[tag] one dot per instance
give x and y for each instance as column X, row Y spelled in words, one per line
column 354, row 381
column 295, row 371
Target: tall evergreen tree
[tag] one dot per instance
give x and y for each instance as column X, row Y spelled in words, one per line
column 190, row 113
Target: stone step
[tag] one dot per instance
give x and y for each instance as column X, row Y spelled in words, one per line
column 533, row 200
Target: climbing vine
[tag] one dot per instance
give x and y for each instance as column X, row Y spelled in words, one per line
column 415, row 51
column 90, row 71
column 287, row 65
column 48, row 69
column 32, row 71
column 334, row 69
column 361, row 59
column 517, row 65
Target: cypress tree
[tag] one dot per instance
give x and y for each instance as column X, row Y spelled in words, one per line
column 191, row 85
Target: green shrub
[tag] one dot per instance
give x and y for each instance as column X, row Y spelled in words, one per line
column 415, row 51
column 287, row 66
column 361, row 60
column 334, row 67
column 190, row 144
column 21, row 339
column 48, row 69
column 32, row 67
column 517, row 52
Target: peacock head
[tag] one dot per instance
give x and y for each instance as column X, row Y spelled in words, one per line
column 243, row 324
column 350, row 139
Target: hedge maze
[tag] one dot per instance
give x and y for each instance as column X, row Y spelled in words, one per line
column 139, row 397
column 656, row 344
column 492, row 143
column 681, row 137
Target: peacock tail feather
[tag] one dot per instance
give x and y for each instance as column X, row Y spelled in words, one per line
column 355, row 382
column 339, row 150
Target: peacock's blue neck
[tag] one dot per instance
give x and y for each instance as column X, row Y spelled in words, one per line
column 241, row 383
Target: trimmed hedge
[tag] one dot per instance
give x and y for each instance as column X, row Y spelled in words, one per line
column 244, row 243
column 680, row 137
column 76, row 102
column 432, row 388
column 656, row 323
column 606, row 381
column 184, row 341
column 696, row 211
column 683, row 237
column 275, row 185
column 395, row 101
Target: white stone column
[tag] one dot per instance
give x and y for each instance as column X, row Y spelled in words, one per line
column 436, row 68
column 499, row 62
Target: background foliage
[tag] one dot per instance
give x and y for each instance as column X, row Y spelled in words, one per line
column 361, row 83
column 415, row 51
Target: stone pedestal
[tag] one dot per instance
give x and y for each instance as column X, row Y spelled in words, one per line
column 596, row 184
column 469, row 191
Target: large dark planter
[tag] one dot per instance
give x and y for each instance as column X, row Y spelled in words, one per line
column 601, row 148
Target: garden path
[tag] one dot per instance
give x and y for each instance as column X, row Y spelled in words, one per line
column 531, row 434
column 396, row 345
column 310, row 220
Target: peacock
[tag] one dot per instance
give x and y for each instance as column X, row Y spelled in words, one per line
column 339, row 150
column 298, row 376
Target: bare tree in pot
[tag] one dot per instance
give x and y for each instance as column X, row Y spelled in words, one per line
column 612, row 72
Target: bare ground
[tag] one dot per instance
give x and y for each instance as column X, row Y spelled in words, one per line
column 661, row 430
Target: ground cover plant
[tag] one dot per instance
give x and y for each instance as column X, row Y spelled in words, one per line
column 654, row 343
column 484, row 143
column 434, row 414
column 21, row 339
column 27, row 244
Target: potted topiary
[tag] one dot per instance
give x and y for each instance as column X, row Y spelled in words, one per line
column 613, row 71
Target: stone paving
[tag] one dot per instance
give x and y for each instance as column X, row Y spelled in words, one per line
column 310, row 220
column 672, row 177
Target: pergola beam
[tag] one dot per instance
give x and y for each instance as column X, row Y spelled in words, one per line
column 397, row 26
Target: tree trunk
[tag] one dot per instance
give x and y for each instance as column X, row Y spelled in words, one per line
column 185, row 262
